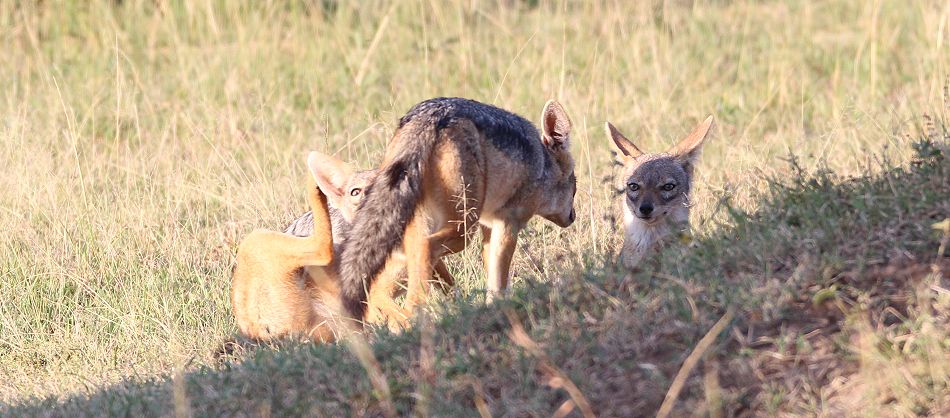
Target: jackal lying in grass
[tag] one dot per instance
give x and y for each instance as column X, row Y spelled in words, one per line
column 657, row 186
column 287, row 283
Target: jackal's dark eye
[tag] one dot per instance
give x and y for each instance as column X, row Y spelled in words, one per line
column 668, row 186
column 633, row 186
column 355, row 191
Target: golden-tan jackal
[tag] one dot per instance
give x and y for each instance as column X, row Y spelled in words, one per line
column 657, row 190
column 284, row 284
column 287, row 283
column 452, row 164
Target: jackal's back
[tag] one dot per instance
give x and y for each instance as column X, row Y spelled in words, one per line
column 513, row 135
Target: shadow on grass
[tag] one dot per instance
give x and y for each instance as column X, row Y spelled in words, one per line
column 824, row 264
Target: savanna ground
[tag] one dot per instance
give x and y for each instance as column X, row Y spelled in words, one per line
column 139, row 142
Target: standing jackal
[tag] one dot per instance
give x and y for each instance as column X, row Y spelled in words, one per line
column 656, row 190
column 451, row 164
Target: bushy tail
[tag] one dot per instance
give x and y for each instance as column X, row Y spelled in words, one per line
column 387, row 207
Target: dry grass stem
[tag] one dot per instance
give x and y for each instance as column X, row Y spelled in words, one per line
column 557, row 378
column 691, row 361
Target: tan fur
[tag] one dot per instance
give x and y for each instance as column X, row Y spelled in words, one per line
column 285, row 285
column 656, row 191
column 470, row 182
column 279, row 280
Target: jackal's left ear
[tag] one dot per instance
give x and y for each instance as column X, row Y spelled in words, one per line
column 330, row 174
column 556, row 126
column 688, row 149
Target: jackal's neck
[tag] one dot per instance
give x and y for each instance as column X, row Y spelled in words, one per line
column 641, row 238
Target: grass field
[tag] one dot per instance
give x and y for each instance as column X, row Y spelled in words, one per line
column 140, row 142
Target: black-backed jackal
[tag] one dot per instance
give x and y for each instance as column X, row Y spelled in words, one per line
column 656, row 191
column 453, row 164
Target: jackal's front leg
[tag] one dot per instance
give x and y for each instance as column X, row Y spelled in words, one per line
column 504, row 239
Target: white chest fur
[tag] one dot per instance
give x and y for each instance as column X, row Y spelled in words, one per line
column 641, row 238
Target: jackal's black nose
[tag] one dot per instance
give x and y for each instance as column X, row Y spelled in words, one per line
column 646, row 210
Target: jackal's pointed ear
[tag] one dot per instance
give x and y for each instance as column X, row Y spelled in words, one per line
column 330, row 174
column 624, row 145
column 688, row 149
column 556, row 126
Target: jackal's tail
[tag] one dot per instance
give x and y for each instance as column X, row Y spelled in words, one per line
column 386, row 209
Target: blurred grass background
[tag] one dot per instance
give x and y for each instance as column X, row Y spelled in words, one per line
column 140, row 140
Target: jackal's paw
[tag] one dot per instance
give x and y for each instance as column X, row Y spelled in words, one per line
column 399, row 322
column 492, row 295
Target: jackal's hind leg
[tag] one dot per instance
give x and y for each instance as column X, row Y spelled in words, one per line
column 417, row 248
column 445, row 280
column 268, row 297
column 446, row 241
column 293, row 251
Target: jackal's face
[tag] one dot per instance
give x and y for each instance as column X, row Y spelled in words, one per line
column 560, row 184
column 352, row 193
column 657, row 185
column 342, row 185
column 654, row 186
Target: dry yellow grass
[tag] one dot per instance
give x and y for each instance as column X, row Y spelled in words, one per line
column 139, row 142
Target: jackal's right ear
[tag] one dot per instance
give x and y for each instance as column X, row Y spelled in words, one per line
column 330, row 174
column 688, row 149
column 555, row 126
column 624, row 145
